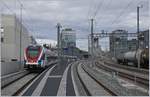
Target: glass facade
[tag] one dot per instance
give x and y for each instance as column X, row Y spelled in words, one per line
column 68, row 39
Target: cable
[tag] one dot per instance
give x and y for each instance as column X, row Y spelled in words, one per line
column 98, row 8
column 7, row 7
column 90, row 7
column 26, row 22
column 107, row 6
column 136, row 4
column 19, row 2
column 122, row 12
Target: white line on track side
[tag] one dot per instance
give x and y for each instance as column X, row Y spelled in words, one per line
column 42, row 83
column 31, row 83
column 63, row 83
column 73, row 79
column 56, row 76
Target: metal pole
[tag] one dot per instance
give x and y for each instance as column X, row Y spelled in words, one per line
column 92, row 41
column 138, row 26
column 89, row 44
column 58, row 41
column 20, row 35
column 138, row 32
column 60, row 44
column 92, row 37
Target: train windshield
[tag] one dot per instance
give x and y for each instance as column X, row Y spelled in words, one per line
column 33, row 51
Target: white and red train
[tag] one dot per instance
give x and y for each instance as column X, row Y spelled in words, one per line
column 36, row 56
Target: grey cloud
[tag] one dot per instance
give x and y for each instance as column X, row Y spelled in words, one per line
column 41, row 16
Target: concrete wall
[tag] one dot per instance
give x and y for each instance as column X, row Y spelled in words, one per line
column 10, row 47
column 9, row 67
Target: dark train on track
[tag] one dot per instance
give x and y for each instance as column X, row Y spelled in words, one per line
column 141, row 55
column 36, row 56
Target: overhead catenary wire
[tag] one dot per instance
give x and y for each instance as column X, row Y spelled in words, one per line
column 90, row 9
column 98, row 8
column 2, row 2
column 107, row 6
column 25, row 10
column 122, row 12
column 10, row 9
column 25, row 22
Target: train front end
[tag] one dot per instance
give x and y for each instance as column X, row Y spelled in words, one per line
column 33, row 57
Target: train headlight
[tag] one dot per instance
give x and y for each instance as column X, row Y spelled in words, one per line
column 40, row 62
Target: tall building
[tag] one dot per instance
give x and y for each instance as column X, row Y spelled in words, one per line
column 68, row 38
column 118, row 42
column 68, row 41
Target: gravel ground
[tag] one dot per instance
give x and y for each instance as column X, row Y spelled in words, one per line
column 113, row 84
column 94, row 88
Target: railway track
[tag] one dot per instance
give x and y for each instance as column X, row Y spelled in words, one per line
column 83, row 85
column 134, row 76
column 100, row 84
column 19, row 85
column 86, row 90
column 111, row 83
column 137, row 70
column 9, row 79
column 25, row 85
column 78, row 83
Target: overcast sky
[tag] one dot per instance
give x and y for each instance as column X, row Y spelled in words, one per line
column 41, row 16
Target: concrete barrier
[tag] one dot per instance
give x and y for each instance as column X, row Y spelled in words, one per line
column 10, row 67
column 12, row 77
